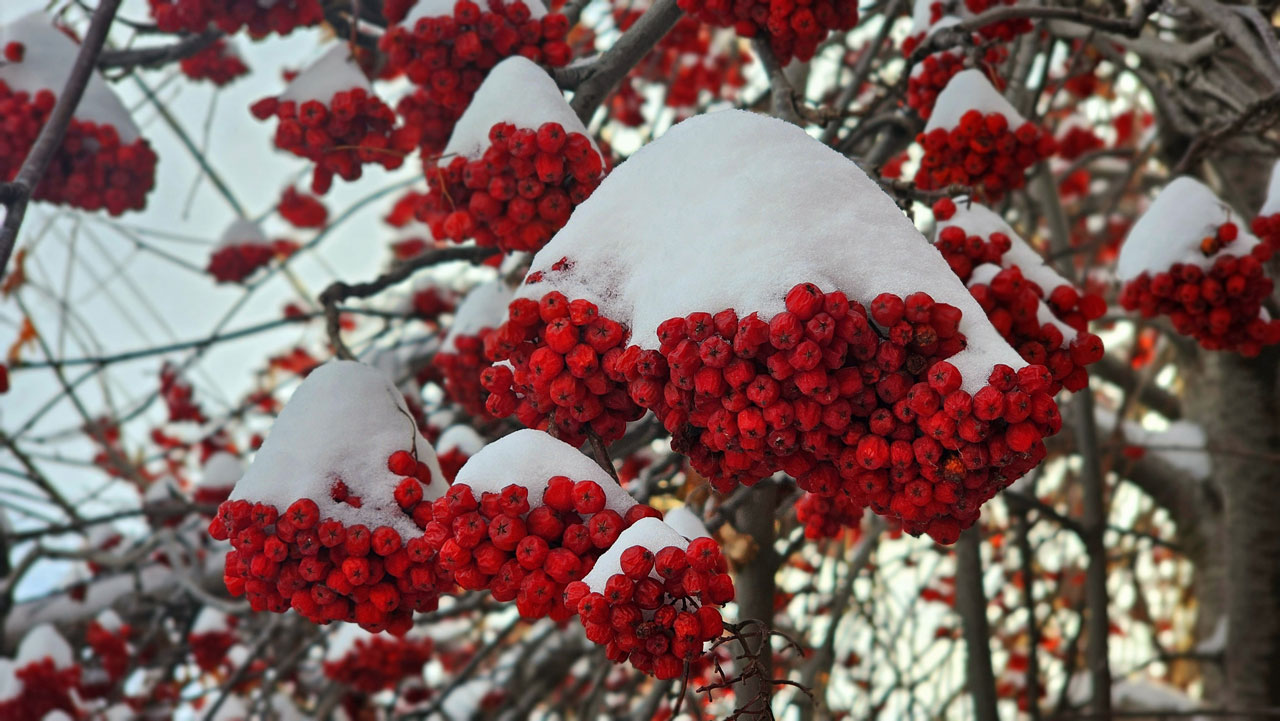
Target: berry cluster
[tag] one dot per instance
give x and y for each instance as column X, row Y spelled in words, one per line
column 216, row 63
column 44, row 688
column 261, row 19
column 1077, row 141
column 92, row 169
column 427, row 118
column 929, row 79
column 328, row 571
column 1221, row 307
column 302, row 211
column 564, row 368
column 179, row 396
column 209, row 648
column 1004, row 30
column 981, row 152
column 379, row 663
column 355, row 127
column 519, row 193
column 793, row 29
column 659, row 612
column 524, row 552
column 111, row 652
column 937, row 10
column 827, row 516
column 235, row 262
column 461, row 368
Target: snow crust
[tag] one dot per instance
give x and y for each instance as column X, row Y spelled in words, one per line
column 980, row 220
column 44, row 641
column 342, row 423
column 970, row 90
column 222, row 470
column 443, row 8
column 530, row 458
column 242, row 231
column 460, row 437
column 516, row 91
column 484, row 307
column 46, row 64
column 1171, row 229
column 686, row 523
column 1270, row 206
column 333, row 73
column 651, row 533
column 731, row 210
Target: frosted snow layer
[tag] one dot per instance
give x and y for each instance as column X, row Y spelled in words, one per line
column 484, row 307
column 342, row 423
column 462, row 438
column 211, row 620
column 222, row 470
column 530, row 458
column 980, row 220
column 1270, row 206
column 970, row 90
column 443, row 8
column 651, row 533
column 47, row 62
column 1171, row 229
column 686, row 523
column 733, row 209
column 516, row 91
column 41, row 642
column 242, row 231
column 333, row 73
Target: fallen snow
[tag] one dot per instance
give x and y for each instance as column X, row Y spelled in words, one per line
column 41, row 642
column 530, row 458
column 47, row 62
column 222, row 470
column 484, row 307
column 1171, row 229
column 516, row 91
column 460, row 437
column 443, row 8
column 648, row 532
column 342, row 423
column 1270, row 206
column 686, row 523
column 333, row 73
column 242, row 231
column 970, row 90
column 731, row 210
column 980, row 220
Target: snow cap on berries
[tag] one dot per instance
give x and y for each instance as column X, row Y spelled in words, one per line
column 46, row 63
column 444, row 8
column 222, row 470
column 41, row 642
column 650, row 533
column 686, row 523
column 342, row 424
column 530, row 458
column 970, row 90
column 1172, row 228
column 1271, row 205
column 729, row 185
column 977, row 219
column 333, row 73
column 484, row 307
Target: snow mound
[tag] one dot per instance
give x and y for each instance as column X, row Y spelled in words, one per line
column 444, row 8
column 484, row 307
column 110, row 620
column 980, row 220
column 1270, row 206
column 47, row 62
column 651, row 533
column 211, row 620
column 970, row 90
column 460, row 437
column 41, row 642
column 686, row 523
column 1171, row 229
column 222, row 470
column 733, row 209
column 516, row 91
column 333, row 73
column 242, row 231
column 342, row 423
column 530, row 458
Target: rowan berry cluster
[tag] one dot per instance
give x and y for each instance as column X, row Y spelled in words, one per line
column 937, row 10
column 519, row 193
column 44, row 688
column 92, row 169
column 564, row 361
column 179, row 396
column 925, row 83
column 111, row 652
column 461, row 368
column 449, row 57
column 1004, row 30
column 261, row 19
column 356, row 127
column 302, row 211
column 1077, row 141
column 209, row 648
column 793, row 29
column 328, row 571
column 524, row 552
column 379, row 663
column 216, row 63
column 827, row 516
column 1221, row 306
column 236, row 262
column 981, row 152
column 659, row 612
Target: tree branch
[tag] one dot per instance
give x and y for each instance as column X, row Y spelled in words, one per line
column 617, row 61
